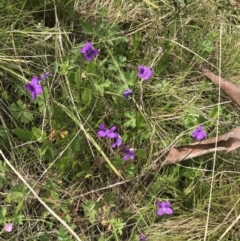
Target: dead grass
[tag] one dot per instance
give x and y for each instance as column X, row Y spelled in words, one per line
column 164, row 110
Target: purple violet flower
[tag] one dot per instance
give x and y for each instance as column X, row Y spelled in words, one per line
column 34, row 87
column 127, row 93
column 8, row 227
column 164, row 208
column 44, row 76
column 199, row 134
column 128, row 154
column 104, row 132
column 142, row 237
column 144, row 72
column 89, row 51
column 118, row 142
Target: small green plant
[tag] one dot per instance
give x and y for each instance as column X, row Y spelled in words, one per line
column 20, row 112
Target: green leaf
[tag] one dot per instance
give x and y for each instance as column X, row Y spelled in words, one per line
column 26, row 117
column 78, row 78
column 44, row 237
column 214, row 112
column 40, row 136
column 118, row 163
column 86, row 167
column 87, row 96
column 90, row 68
column 19, row 219
column 24, row 135
column 129, row 171
column 92, row 216
column 47, row 151
column 118, row 225
column 75, row 144
column 4, row 211
column 122, row 60
column 90, row 210
column 87, row 27
column 3, row 132
column 2, row 169
column 131, row 122
column 201, row 119
column 141, row 154
column 16, row 110
column 112, row 67
column 130, row 77
column 101, row 86
column 42, row 101
column 101, row 238
column 140, row 121
column 143, row 136
column 19, row 112
column 63, row 163
column 111, row 199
